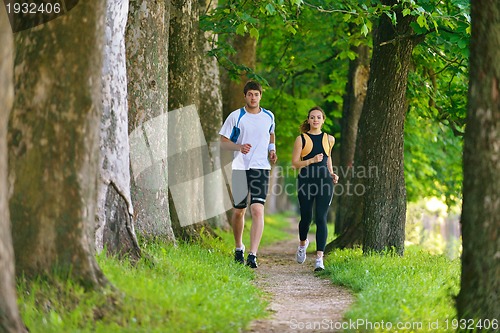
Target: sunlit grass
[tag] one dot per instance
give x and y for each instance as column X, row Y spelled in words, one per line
column 275, row 229
column 189, row 288
column 198, row 288
column 416, row 289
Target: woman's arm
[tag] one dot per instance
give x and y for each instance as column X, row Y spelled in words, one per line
column 297, row 163
column 331, row 139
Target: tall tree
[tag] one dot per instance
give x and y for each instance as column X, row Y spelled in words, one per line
column 146, row 42
column 10, row 320
column 211, row 118
column 379, row 150
column 354, row 98
column 479, row 295
column 245, row 47
column 450, row 78
column 54, row 145
column 115, row 229
column 186, row 139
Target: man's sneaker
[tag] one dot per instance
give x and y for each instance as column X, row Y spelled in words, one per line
column 319, row 265
column 252, row 260
column 301, row 252
column 239, row 255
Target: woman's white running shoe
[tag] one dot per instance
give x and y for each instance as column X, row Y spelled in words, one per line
column 301, row 252
column 319, row 265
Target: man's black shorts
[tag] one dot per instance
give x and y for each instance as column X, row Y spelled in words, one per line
column 254, row 182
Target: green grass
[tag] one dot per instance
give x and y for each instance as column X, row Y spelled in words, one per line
column 413, row 290
column 189, row 288
column 275, row 227
column 195, row 288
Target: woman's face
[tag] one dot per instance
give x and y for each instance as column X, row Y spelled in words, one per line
column 316, row 119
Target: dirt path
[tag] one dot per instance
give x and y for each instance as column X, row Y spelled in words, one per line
column 300, row 301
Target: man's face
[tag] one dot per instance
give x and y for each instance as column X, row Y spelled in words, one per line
column 252, row 98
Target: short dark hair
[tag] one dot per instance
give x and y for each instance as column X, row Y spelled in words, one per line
column 252, row 85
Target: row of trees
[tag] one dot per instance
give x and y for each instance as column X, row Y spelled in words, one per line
column 87, row 143
column 105, row 121
column 326, row 61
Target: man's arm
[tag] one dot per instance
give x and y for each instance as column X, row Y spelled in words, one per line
column 227, row 144
column 272, row 149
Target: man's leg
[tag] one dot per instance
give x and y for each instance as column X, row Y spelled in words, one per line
column 239, row 191
column 259, row 184
column 238, row 224
column 257, row 228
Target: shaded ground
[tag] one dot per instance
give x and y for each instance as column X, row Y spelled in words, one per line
column 300, row 301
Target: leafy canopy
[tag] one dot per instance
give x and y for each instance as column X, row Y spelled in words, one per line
column 304, row 50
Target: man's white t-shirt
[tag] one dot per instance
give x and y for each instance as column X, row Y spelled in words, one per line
column 255, row 130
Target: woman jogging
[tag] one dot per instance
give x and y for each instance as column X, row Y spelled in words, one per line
column 311, row 154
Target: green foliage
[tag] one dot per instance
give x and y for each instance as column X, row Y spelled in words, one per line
column 433, row 160
column 416, row 288
column 188, row 288
column 437, row 96
column 303, row 69
column 241, row 18
column 304, row 49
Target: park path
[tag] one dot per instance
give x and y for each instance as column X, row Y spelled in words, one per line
column 299, row 300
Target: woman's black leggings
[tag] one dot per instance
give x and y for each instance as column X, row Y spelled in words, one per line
column 314, row 192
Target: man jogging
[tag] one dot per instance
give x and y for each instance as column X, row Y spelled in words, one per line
column 249, row 132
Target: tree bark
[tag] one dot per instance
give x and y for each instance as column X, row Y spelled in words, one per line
column 376, row 211
column 10, row 320
column 115, row 229
column 353, row 104
column 479, row 296
column 146, row 41
column 232, row 91
column 186, row 138
column 54, row 146
column 211, row 120
column 380, row 148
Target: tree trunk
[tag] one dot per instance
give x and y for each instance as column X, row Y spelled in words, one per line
column 186, row 139
column 246, row 50
column 275, row 182
column 375, row 211
column 211, row 120
column 380, row 138
column 115, row 229
column 10, row 320
column 353, row 105
column 146, row 41
column 232, row 90
column 479, row 296
column 54, row 146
